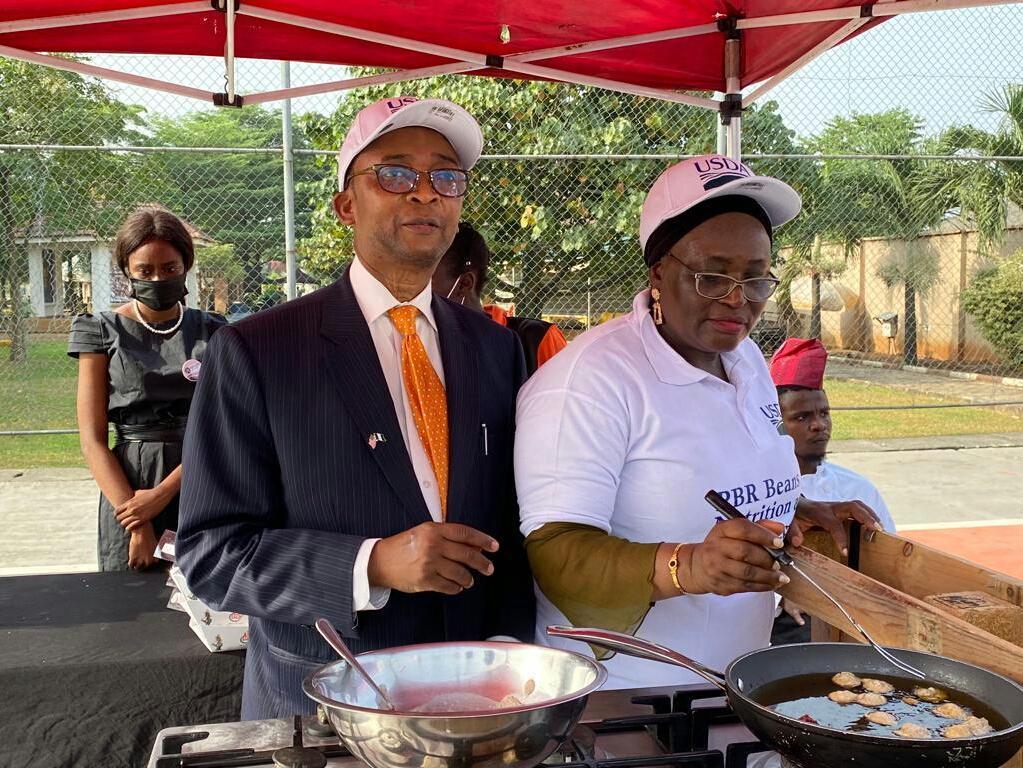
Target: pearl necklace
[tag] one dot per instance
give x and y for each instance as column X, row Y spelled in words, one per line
column 148, row 327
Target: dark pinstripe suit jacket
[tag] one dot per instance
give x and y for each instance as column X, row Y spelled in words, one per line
column 280, row 486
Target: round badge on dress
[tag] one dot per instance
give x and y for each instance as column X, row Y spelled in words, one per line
column 190, row 369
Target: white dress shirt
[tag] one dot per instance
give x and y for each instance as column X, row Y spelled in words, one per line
column 375, row 300
column 832, row 482
column 620, row 433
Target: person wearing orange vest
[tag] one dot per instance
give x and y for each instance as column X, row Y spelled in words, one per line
column 460, row 277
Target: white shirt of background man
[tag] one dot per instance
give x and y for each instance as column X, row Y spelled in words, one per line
column 832, row 482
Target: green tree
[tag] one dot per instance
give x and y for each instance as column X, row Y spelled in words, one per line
column 995, row 301
column 55, row 190
column 236, row 198
column 218, row 270
column 981, row 191
column 553, row 223
column 883, row 197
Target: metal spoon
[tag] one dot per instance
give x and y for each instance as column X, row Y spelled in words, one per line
column 325, row 628
column 722, row 505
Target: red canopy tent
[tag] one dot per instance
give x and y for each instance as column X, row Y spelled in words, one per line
column 656, row 48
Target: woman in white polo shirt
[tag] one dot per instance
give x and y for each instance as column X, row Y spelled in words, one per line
column 620, row 436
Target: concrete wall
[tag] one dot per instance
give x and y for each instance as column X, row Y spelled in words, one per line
column 944, row 331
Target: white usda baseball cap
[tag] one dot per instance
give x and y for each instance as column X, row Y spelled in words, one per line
column 447, row 118
column 693, row 181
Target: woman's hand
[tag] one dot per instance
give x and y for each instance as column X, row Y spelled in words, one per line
column 732, row 559
column 831, row 516
column 141, row 547
column 142, row 507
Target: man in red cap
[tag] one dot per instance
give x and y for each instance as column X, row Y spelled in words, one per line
column 797, row 369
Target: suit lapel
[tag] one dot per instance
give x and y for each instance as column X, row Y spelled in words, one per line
column 461, row 383
column 352, row 362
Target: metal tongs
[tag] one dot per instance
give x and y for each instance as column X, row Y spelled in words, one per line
column 783, row 558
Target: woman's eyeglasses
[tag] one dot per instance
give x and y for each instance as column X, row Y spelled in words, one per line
column 400, row 179
column 711, row 285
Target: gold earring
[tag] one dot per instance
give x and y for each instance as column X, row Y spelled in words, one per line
column 655, row 294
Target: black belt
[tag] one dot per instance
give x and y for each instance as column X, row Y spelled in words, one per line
column 149, row 433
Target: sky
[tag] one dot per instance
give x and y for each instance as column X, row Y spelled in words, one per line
column 937, row 65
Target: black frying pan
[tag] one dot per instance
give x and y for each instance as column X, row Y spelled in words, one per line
column 814, row 746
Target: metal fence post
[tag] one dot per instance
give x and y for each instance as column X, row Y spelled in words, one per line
column 289, row 184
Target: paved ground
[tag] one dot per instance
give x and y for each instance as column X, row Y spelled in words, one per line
column 48, row 521
column 964, row 501
column 962, row 494
column 931, row 384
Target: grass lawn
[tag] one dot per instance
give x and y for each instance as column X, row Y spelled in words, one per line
column 874, row 425
column 37, row 451
column 40, row 394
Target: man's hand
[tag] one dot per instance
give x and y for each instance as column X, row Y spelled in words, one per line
column 146, row 504
column 432, row 557
column 141, row 547
column 793, row 610
column 831, row 516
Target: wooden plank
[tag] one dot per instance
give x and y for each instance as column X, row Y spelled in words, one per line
column 895, row 618
column 920, row 570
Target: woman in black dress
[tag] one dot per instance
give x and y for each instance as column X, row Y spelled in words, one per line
column 137, row 368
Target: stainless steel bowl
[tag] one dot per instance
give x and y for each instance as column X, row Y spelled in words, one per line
column 549, row 686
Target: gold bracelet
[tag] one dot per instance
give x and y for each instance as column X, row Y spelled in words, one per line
column 673, row 569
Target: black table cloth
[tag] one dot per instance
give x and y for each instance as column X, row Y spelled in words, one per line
column 93, row 665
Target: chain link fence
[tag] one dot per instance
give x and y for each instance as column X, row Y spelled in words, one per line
column 908, row 257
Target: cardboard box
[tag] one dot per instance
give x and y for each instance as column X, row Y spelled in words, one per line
column 201, row 612
column 221, row 638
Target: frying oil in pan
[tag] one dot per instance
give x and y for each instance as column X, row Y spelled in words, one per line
column 806, row 698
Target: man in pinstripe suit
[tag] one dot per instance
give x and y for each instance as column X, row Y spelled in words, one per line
column 314, row 478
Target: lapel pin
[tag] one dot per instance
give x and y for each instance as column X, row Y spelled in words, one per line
column 190, row 369
column 375, row 439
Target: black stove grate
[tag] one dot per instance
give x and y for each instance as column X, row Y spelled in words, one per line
column 680, row 723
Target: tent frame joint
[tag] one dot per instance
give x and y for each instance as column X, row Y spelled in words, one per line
column 221, row 5
column 495, row 62
column 730, row 106
column 222, row 99
column 867, row 11
column 729, row 27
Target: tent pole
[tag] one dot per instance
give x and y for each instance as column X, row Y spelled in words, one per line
column 611, row 43
column 401, row 76
column 818, row 50
column 102, row 17
column 734, row 138
column 481, row 60
column 230, row 51
column 731, row 114
column 289, row 183
column 721, row 147
column 82, row 68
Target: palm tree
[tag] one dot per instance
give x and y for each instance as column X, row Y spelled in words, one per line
column 825, row 218
column 981, row 190
column 886, row 196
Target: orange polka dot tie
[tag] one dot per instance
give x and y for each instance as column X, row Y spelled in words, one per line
column 426, row 397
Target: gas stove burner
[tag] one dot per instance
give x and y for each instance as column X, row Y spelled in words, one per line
column 689, row 727
column 299, row 757
column 319, row 726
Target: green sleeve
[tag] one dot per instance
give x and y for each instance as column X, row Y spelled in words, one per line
column 595, row 579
